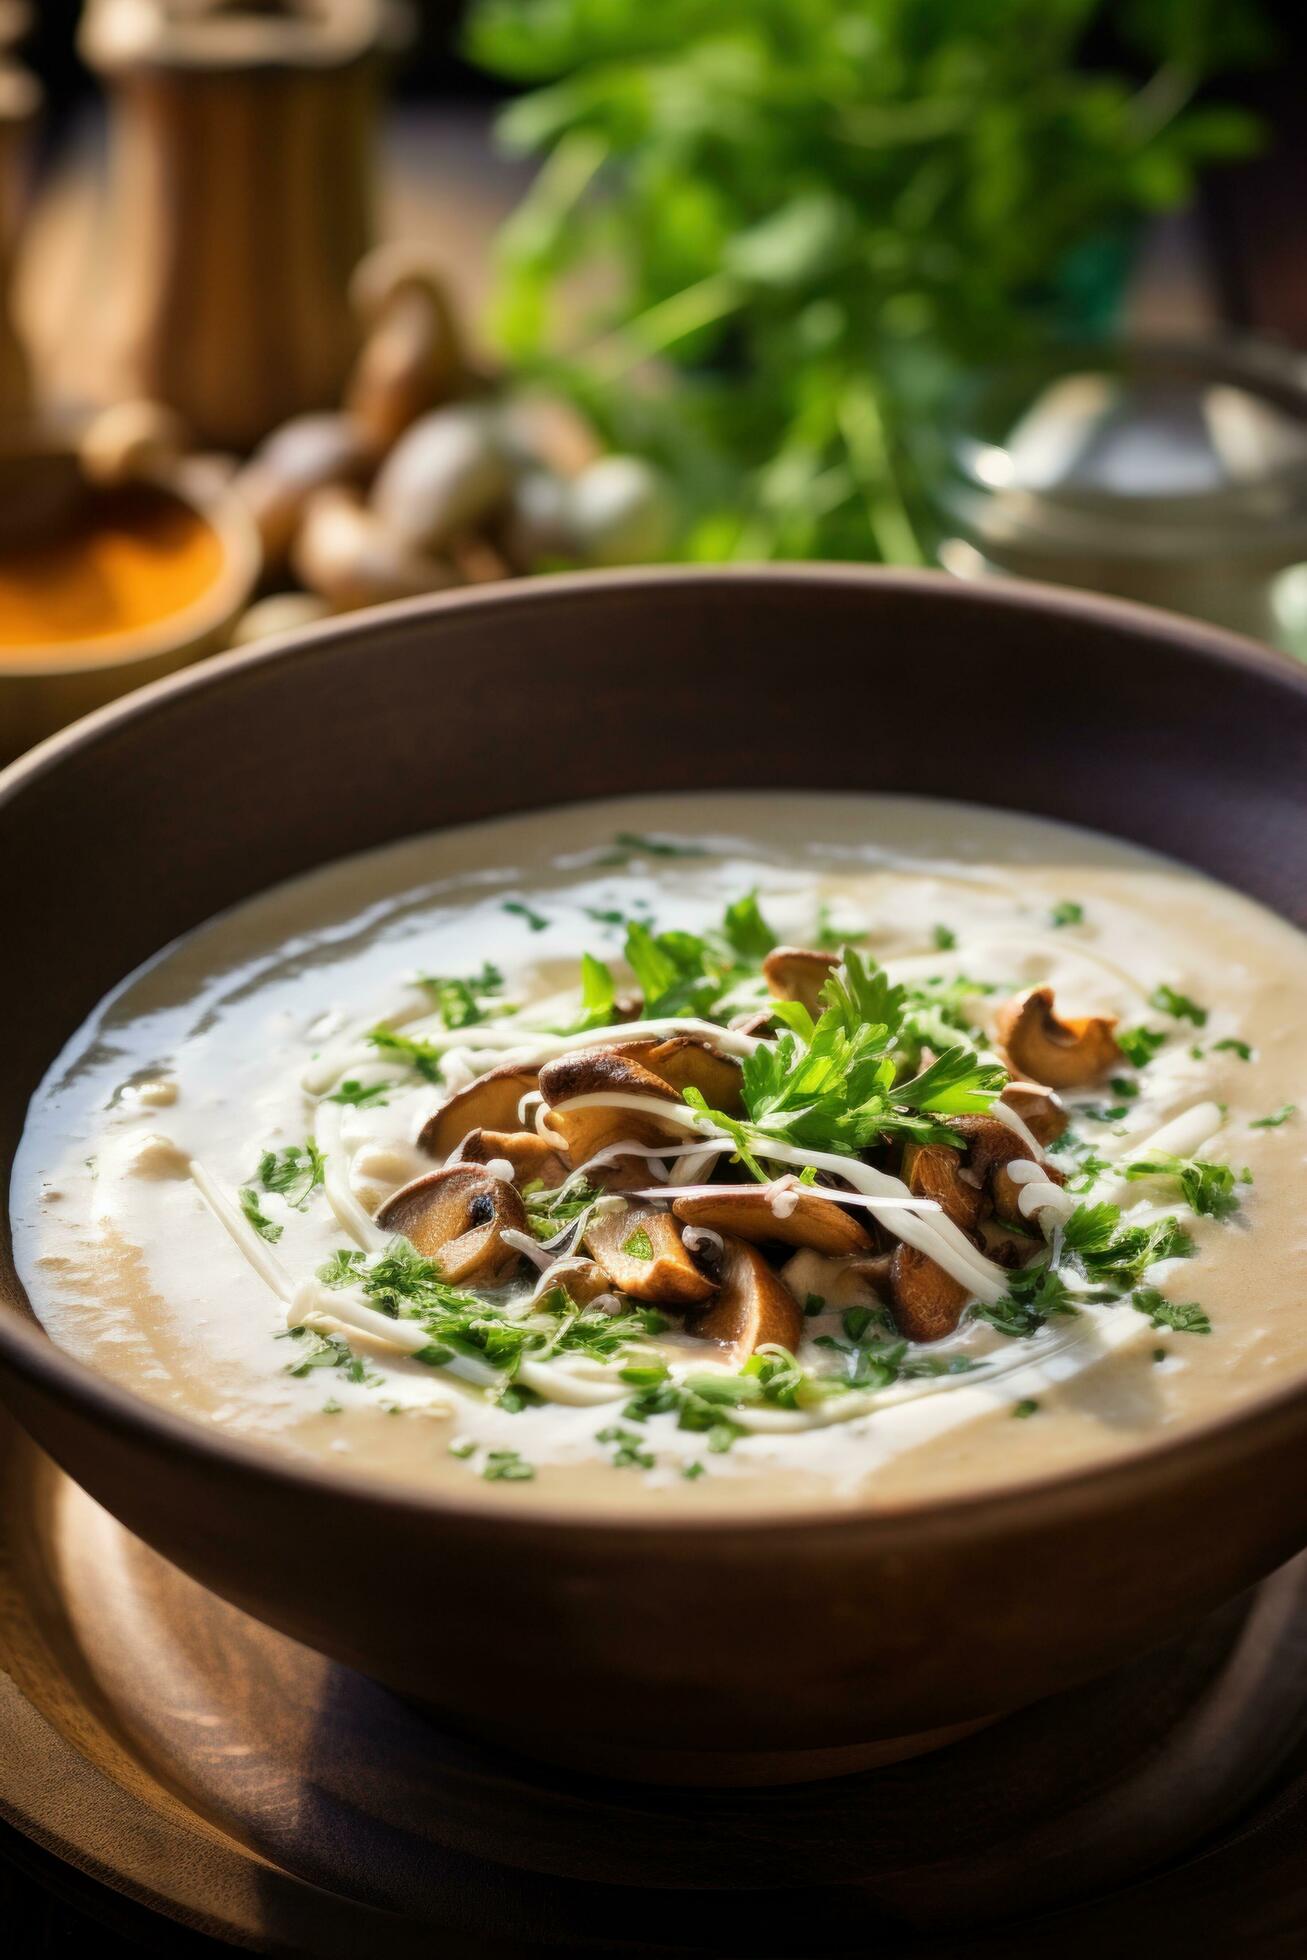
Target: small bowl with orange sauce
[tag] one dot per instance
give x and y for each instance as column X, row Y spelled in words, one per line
column 107, row 585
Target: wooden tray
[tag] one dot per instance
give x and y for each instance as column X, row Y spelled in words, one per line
column 165, row 1746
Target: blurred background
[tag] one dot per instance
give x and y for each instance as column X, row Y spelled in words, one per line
column 311, row 304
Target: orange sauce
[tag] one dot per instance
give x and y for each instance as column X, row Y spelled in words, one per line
column 121, row 562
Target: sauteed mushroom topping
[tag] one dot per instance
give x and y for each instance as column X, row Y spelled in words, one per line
column 490, row 1103
column 797, row 973
column 747, row 1186
column 786, row 1217
column 530, row 1159
column 640, row 1249
column 1056, row 1053
column 457, row 1218
column 754, row 1308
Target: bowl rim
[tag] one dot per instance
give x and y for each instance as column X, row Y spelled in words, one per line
column 32, row 1353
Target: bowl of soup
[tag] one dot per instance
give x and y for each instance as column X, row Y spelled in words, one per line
column 695, row 1170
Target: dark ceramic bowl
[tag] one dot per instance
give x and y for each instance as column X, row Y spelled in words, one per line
column 665, row 1641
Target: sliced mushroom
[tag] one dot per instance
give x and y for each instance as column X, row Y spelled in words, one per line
column 754, row 1307
column 799, row 973
column 1040, row 1110
column 684, row 1063
column 1058, row 1054
column 991, row 1146
column 935, row 1170
column 640, row 1249
column 585, row 1132
column 489, row 1103
column 457, row 1217
column 1007, row 1192
column 534, row 1161
column 753, row 1215
column 926, row 1301
column 583, row 1280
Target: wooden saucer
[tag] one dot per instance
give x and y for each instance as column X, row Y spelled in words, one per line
column 162, row 1743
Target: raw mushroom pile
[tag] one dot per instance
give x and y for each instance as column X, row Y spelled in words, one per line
column 918, row 1227
column 428, row 476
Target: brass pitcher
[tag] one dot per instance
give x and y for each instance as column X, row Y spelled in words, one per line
column 243, row 140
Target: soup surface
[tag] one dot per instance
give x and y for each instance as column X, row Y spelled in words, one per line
column 248, row 1191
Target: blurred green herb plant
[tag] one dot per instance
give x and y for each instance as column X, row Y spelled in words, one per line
column 767, row 233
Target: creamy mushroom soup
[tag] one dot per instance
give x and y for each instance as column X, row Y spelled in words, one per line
column 775, row 1150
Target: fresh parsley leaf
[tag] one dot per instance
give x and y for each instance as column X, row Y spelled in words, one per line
column 410, row 1050
column 1139, row 1045
column 254, row 1215
column 1273, row 1122
column 294, row 1173
column 630, row 1452
column 1179, row 1006
column 458, row 1002
column 1208, row 1188
column 1067, row 913
column 598, row 996
column 534, row 920
column 631, row 841
column 341, row 1269
column 943, row 939
column 357, row 1095
column 746, row 931
column 1184, row 1318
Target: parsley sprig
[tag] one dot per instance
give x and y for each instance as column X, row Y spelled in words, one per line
column 835, row 1085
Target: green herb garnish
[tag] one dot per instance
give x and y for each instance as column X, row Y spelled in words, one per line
column 1179, row 1006
column 1273, row 1122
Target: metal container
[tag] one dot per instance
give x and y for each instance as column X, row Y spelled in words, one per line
column 1169, row 472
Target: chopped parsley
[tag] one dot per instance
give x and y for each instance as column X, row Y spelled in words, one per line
column 1184, row 1318
column 358, row 1095
column 1273, row 1122
column 410, row 1050
column 629, row 843
column 461, row 1003
column 639, row 1245
column 1179, row 1006
column 506, row 1467
column 294, row 1173
column 1067, row 913
column 1139, row 1045
column 1208, row 1188
column 1026, row 1407
column 943, row 939
column 1232, row 1047
column 254, row 1215
column 535, row 922
column 629, row 1452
